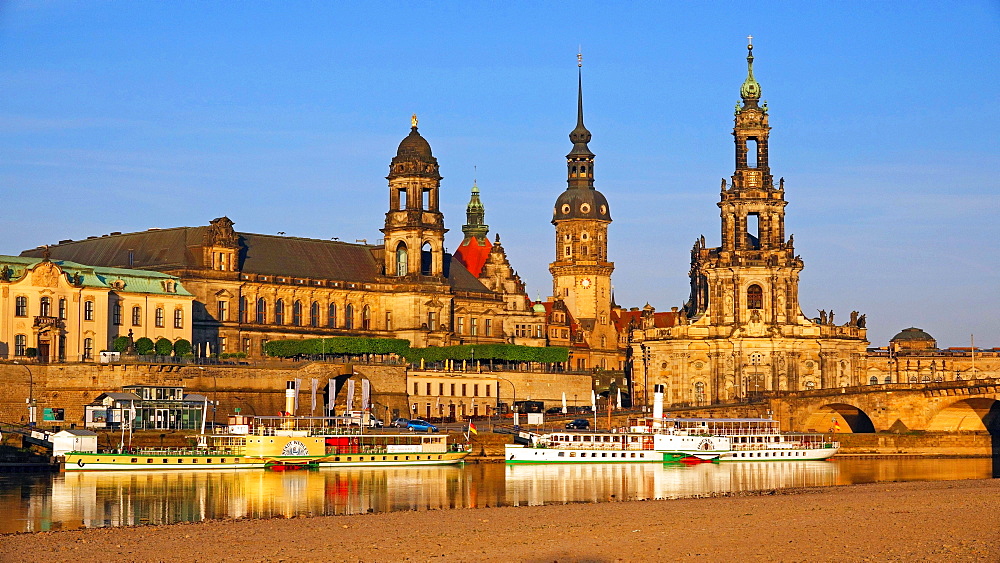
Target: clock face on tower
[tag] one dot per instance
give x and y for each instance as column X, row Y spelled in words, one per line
column 585, row 282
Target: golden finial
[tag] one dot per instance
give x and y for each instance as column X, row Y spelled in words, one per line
column 413, row 120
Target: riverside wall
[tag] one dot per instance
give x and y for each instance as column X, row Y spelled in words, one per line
column 255, row 390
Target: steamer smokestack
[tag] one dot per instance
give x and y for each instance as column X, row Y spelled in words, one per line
column 290, row 397
column 657, row 405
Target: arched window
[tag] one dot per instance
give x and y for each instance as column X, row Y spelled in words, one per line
column 755, row 297
column 314, row 314
column 888, row 379
column 45, row 307
column 279, row 312
column 810, row 385
column 297, row 313
column 261, row 311
column 349, row 316
column 116, row 313
column 426, row 259
column 402, row 265
column 136, row 316
column 331, row 316
column 178, row 318
column 366, row 318
column 873, row 380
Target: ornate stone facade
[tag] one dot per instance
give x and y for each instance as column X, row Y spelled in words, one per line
column 742, row 331
column 53, row 311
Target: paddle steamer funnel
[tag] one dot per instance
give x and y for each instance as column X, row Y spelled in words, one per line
column 657, row 405
column 289, row 397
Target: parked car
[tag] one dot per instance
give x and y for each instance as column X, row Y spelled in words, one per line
column 400, row 422
column 554, row 410
column 578, row 424
column 420, row 426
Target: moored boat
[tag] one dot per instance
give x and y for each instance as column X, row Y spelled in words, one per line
column 758, row 439
column 648, row 440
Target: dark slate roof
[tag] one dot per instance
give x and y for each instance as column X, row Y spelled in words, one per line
column 157, row 249
column 912, row 333
column 170, row 249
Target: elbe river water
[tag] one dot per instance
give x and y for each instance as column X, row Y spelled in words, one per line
column 33, row 502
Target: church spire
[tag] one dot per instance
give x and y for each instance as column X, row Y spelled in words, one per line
column 475, row 214
column 750, row 90
column 580, row 161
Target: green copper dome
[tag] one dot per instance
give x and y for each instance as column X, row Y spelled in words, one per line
column 750, row 90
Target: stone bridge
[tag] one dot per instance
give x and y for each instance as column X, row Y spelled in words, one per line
column 947, row 406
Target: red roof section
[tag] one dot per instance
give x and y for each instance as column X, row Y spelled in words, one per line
column 665, row 319
column 473, row 253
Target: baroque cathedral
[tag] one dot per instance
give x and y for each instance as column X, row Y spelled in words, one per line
column 742, row 331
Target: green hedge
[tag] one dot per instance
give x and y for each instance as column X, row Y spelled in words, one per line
column 163, row 347
column 182, row 348
column 120, row 344
column 490, row 352
column 144, row 346
column 356, row 346
column 339, row 345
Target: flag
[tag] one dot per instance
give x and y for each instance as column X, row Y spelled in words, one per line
column 315, row 386
column 836, row 426
column 331, row 395
column 366, row 390
column 472, row 428
column 298, row 386
column 350, row 395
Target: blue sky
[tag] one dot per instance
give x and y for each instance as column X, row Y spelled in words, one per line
column 121, row 116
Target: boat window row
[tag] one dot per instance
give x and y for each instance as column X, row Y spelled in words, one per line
column 621, row 455
column 771, row 454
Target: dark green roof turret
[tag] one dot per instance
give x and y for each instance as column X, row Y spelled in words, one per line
column 750, row 90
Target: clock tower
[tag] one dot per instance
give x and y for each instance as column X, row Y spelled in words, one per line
column 581, row 272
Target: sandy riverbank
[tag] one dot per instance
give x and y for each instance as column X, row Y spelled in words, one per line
column 933, row 521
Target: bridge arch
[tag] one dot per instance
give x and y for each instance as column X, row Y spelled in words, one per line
column 841, row 417
column 975, row 414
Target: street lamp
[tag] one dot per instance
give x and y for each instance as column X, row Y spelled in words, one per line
column 31, row 396
column 513, row 396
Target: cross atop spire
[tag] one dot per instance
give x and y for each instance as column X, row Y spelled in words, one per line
column 749, row 41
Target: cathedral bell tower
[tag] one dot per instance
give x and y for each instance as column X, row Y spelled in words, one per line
column 581, row 272
column 414, row 225
column 753, row 275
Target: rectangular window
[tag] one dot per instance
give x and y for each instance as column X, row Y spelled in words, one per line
column 223, row 311
column 463, row 389
column 21, row 306
column 432, row 320
column 388, row 320
column 452, row 389
column 62, row 308
column 538, row 331
column 178, row 318
column 88, row 348
column 246, row 346
column 475, row 390
column 136, row 316
column 488, row 328
column 222, row 345
column 116, row 314
column 461, row 325
column 20, row 344
column 263, row 345
column 416, row 388
column 440, row 388
column 428, row 388
column 88, row 310
column 474, row 326
column 489, row 390
column 159, row 317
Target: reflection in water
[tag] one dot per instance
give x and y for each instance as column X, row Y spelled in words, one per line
column 94, row 499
